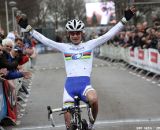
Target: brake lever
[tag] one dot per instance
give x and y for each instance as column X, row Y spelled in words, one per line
column 50, row 116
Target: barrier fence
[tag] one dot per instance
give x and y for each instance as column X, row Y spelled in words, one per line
column 147, row 59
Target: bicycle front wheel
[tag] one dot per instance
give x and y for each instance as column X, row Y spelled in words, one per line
column 84, row 124
column 73, row 126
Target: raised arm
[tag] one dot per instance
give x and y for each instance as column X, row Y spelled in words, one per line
column 48, row 42
column 128, row 14
column 23, row 22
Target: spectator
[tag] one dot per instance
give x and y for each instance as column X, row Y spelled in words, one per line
column 158, row 45
column 137, row 40
column 4, row 63
column 10, row 59
column 122, row 38
column 93, row 35
column 19, row 42
column 24, row 55
column 27, row 40
column 58, row 38
column 128, row 39
column 7, row 45
column 101, row 32
column 1, row 37
column 11, row 36
column 154, row 39
column 34, row 54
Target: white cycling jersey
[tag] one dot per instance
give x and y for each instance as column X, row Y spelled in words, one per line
column 78, row 58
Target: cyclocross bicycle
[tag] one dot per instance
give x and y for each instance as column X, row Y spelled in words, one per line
column 76, row 122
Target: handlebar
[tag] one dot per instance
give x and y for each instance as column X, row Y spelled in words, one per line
column 67, row 108
column 51, row 111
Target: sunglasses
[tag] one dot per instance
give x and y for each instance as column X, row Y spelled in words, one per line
column 75, row 33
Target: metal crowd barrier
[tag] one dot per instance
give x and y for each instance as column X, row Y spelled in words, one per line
column 140, row 59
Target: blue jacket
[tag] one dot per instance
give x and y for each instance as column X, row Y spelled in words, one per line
column 13, row 74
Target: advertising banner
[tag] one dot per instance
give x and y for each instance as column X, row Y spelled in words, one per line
column 154, row 61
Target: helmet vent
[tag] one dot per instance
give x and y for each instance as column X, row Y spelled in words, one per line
column 78, row 26
column 75, row 25
column 71, row 27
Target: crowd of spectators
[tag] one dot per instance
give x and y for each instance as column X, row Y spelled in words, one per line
column 140, row 35
column 15, row 51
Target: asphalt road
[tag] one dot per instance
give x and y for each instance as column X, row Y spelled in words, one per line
column 126, row 101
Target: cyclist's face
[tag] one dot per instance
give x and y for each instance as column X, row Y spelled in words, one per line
column 75, row 37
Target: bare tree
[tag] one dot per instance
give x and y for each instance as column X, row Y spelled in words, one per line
column 33, row 10
column 60, row 11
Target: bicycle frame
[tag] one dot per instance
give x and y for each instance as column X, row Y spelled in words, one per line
column 76, row 114
column 75, row 111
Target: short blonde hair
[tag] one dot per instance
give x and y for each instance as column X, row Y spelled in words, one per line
column 6, row 41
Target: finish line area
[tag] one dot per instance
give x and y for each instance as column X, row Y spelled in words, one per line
column 132, row 124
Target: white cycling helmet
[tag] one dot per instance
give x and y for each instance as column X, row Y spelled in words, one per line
column 74, row 25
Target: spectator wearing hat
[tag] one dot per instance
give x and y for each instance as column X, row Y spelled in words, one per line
column 15, row 55
column 8, row 67
column 4, row 63
column 10, row 58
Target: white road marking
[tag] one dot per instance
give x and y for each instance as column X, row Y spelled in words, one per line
column 104, row 122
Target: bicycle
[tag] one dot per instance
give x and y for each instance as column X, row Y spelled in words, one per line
column 76, row 122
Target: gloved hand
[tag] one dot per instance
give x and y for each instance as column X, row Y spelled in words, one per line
column 23, row 23
column 128, row 14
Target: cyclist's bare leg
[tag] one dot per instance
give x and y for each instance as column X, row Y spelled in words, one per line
column 67, row 118
column 93, row 101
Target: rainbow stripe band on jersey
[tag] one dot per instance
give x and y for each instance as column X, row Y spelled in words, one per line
column 77, row 56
